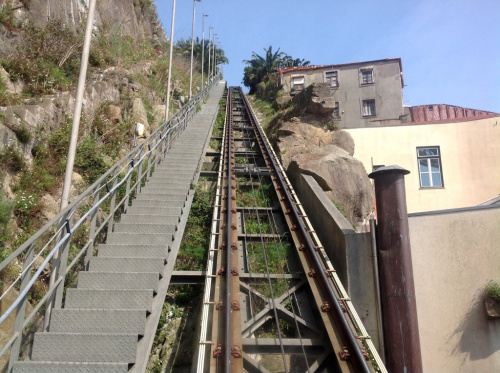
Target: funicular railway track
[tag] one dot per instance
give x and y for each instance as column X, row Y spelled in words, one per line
column 272, row 302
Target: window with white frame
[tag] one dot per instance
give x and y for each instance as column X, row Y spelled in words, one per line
column 429, row 167
column 336, row 110
column 298, row 82
column 332, row 78
column 369, row 108
column 367, row 76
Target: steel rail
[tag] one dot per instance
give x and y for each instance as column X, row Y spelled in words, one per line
column 347, row 334
column 265, row 257
column 211, row 258
column 227, row 303
column 273, row 225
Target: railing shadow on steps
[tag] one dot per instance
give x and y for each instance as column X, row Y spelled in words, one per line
column 68, row 241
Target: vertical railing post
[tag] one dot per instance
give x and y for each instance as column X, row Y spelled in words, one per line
column 93, row 223
column 127, row 190
column 112, row 204
column 21, row 308
column 148, row 169
column 397, row 289
column 63, row 263
column 55, row 271
column 139, row 172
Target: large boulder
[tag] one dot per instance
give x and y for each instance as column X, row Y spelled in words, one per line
column 4, row 77
column 114, row 114
column 316, row 99
column 327, row 156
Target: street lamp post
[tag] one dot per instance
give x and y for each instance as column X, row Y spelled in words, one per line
column 209, row 51
column 170, row 60
column 192, row 52
column 203, row 51
column 213, row 55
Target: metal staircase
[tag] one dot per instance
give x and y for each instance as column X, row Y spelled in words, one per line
column 113, row 309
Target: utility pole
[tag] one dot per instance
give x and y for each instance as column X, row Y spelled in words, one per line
column 192, row 52
column 72, row 145
column 78, row 106
column 170, row 61
column 203, row 51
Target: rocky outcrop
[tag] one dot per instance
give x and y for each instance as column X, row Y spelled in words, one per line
column 127, row 17
column 327, row 156
column 316, row 99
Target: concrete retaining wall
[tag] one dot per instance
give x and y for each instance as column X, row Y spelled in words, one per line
column 350, row 252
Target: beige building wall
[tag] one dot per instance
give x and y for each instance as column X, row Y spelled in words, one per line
column 470, row 158
column 454, row 256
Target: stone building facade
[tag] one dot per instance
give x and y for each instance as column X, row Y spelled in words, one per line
column 366, row 94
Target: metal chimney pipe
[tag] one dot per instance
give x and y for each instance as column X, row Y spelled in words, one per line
column 397, row 289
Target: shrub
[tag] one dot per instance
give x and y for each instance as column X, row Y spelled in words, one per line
column 27, row 209
column 7, row 18
column 12, row 158
column 47, row 58
column 6, row 209
column 22, row 133
column 89, row 161
column 493, row 290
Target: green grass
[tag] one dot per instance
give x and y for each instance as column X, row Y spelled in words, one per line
column 254, row 226
column 276, row 254
column 194, row 246
column 260, row 197
column 266, row 108
column 6, row 210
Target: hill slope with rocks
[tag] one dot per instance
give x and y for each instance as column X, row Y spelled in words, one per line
column 40, row 49
column 308, row 143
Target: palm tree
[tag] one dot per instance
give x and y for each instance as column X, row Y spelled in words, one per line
column 184, row 47
column 259, row 67
column 289, row 61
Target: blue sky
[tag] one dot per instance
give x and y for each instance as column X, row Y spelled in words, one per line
column 450, row 48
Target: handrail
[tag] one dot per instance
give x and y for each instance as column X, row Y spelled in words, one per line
column 142, row 159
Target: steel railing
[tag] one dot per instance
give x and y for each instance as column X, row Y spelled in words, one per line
column 78, row 229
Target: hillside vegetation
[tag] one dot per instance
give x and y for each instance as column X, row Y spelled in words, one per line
column 126, row 83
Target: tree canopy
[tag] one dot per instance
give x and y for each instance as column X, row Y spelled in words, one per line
column 259, row 68
column 184, row 47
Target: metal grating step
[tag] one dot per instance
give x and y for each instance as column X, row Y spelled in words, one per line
column 109, row 299
column 98, row 321
column 149, row 227
column 159, row 216
column 131, row 251
column 72, row 367
column 171, row 176
column 160, row 201
column 140, row 239
column 105, row 348
column 174, row 189
column 163, row 195
column 126, row 265
column 151, row 210
column 118, row 280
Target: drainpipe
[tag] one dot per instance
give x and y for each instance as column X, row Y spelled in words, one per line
column 397, row 289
